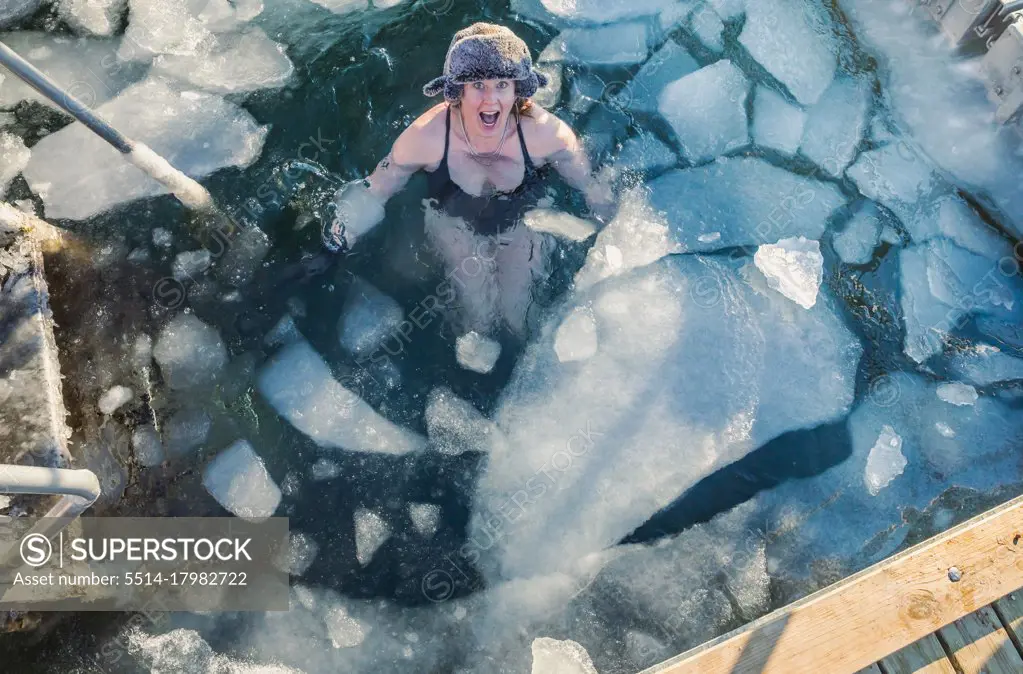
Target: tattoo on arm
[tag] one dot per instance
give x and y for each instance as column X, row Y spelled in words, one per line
column 385, row 162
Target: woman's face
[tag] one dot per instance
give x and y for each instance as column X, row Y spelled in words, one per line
column 486, row 105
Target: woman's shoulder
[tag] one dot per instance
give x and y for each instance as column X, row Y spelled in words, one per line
column 422, row 142
column 545, row 132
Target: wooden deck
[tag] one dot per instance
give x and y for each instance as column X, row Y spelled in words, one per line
column 946, row 606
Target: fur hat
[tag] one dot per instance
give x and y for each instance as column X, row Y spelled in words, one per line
column 486, row 51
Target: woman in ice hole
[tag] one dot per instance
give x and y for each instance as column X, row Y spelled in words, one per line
column 481, row 179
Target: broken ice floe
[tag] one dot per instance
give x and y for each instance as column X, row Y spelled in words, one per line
column 189, row 352
column 239, row 481
column 777, row 124
column 856, row 242
column 370, row 533
column 835, row 125
column 559, row 223
column 476, row 352
column 114, row 398
column 793, row 267
column 454, row 426
column 707, row 110
column 368, row 318
column 551, row 656
column 984, row 365
column 425, row 518
column 576, row 338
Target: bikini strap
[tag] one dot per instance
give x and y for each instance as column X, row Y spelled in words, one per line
column 522, row 142
column 447, row 132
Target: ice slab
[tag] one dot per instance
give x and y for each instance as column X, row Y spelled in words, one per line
column 836, row 124
column 638, row 235
column 343, row 6
column 552, row 656
column 559, row 223
column 794, row 267
column 370, row 533
column 182, row 27
column 13, row 10
column 728, row 9
column 604, row 11
column 299, row 385
column 344, row 630
column 368, row 318
column 957, row 393
column 668, row 64
column 952, row 218
column 695, row 369
column 618, row 44
column 885, row 461
column 300, row 554
column 93, row 17
column 941, row 100
column 576, row 337
column 324, row 469
column 707, row 110
column 81, row 66
column 14, row 157
column 189, row 352
column 425, row 517
column 186, row 430
column 895, row 176
column 114, row 398
column 984, row 365
column 476, row 352
column 191, row 263
column 239, row 481
column 792, row 40
column 454, row 426
column 747, row 201
column 645, row 153
column 77, row 174
column 855, row 244
column 777, row 124
column 283, row 332
column 708, row 27
column 235, row 63
column 145, row 440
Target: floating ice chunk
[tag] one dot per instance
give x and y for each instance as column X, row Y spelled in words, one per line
column 283, row 332
column 162, row 238
column 856, row 243
column 604, row 11
column 425, row 517
column 114, row 398
column 894, row 176
column 637, row 236
column 619, row 44
column 957, row 393
column 146, row 443
column 748, row 366
column 12, row 10
column 77, row 174
column 299, row 385
column 454, row 425
column 668, row 64
column 747, row 200
column 163, row 27
column 324, row 469
column 794, row 41
column 81, row 66
column 189, row 264
column 186, row 430
column 984, row 365
column 299, row 556
column 344, row 630
column 836, row 124
column 559, row 223
column 777, row 124
column 343, row 6
column 728, row 9
column 944, row 429
column 551, row 656
column 189, row 352
column 476, row 352
column 370, row 533
column 645, row 153
column 885, row 462
column 708, row 27
column 576, row 338
column 891, row 236
column 673, row 15
column 179, row 650
column 92, row 17
column 952, row 218
column 237, row 63
column 707, row 109
column 368, row 318
column 14, row 157
column 793, row 267
column 238, row 480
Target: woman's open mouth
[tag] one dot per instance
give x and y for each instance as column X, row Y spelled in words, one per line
column 489, row 119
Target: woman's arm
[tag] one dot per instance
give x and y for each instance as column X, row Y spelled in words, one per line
column 568, row 156
column 359, row 205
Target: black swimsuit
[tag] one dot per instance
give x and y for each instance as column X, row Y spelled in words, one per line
column 487, row 215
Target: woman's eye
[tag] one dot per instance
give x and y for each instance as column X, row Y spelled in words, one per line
column 478, row 85
column 502, row 85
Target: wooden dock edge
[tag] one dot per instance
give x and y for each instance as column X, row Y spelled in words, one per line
column 856, row 622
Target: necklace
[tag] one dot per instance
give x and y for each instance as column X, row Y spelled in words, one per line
column 485, row 158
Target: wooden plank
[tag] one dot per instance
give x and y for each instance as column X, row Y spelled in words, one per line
column 978, row 643
column 1010, row 610
column 874, row 613
column 925, row 656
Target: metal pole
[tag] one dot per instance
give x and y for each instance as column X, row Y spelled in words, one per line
column 188, row 191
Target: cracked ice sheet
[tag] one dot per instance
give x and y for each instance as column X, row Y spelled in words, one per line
column 942, row 101
column 746, row 201
column 694, row 369
column 77, row 174
column 972, row 446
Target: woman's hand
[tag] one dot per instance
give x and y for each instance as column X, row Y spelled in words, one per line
column 600, row 196
column 354, row 212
